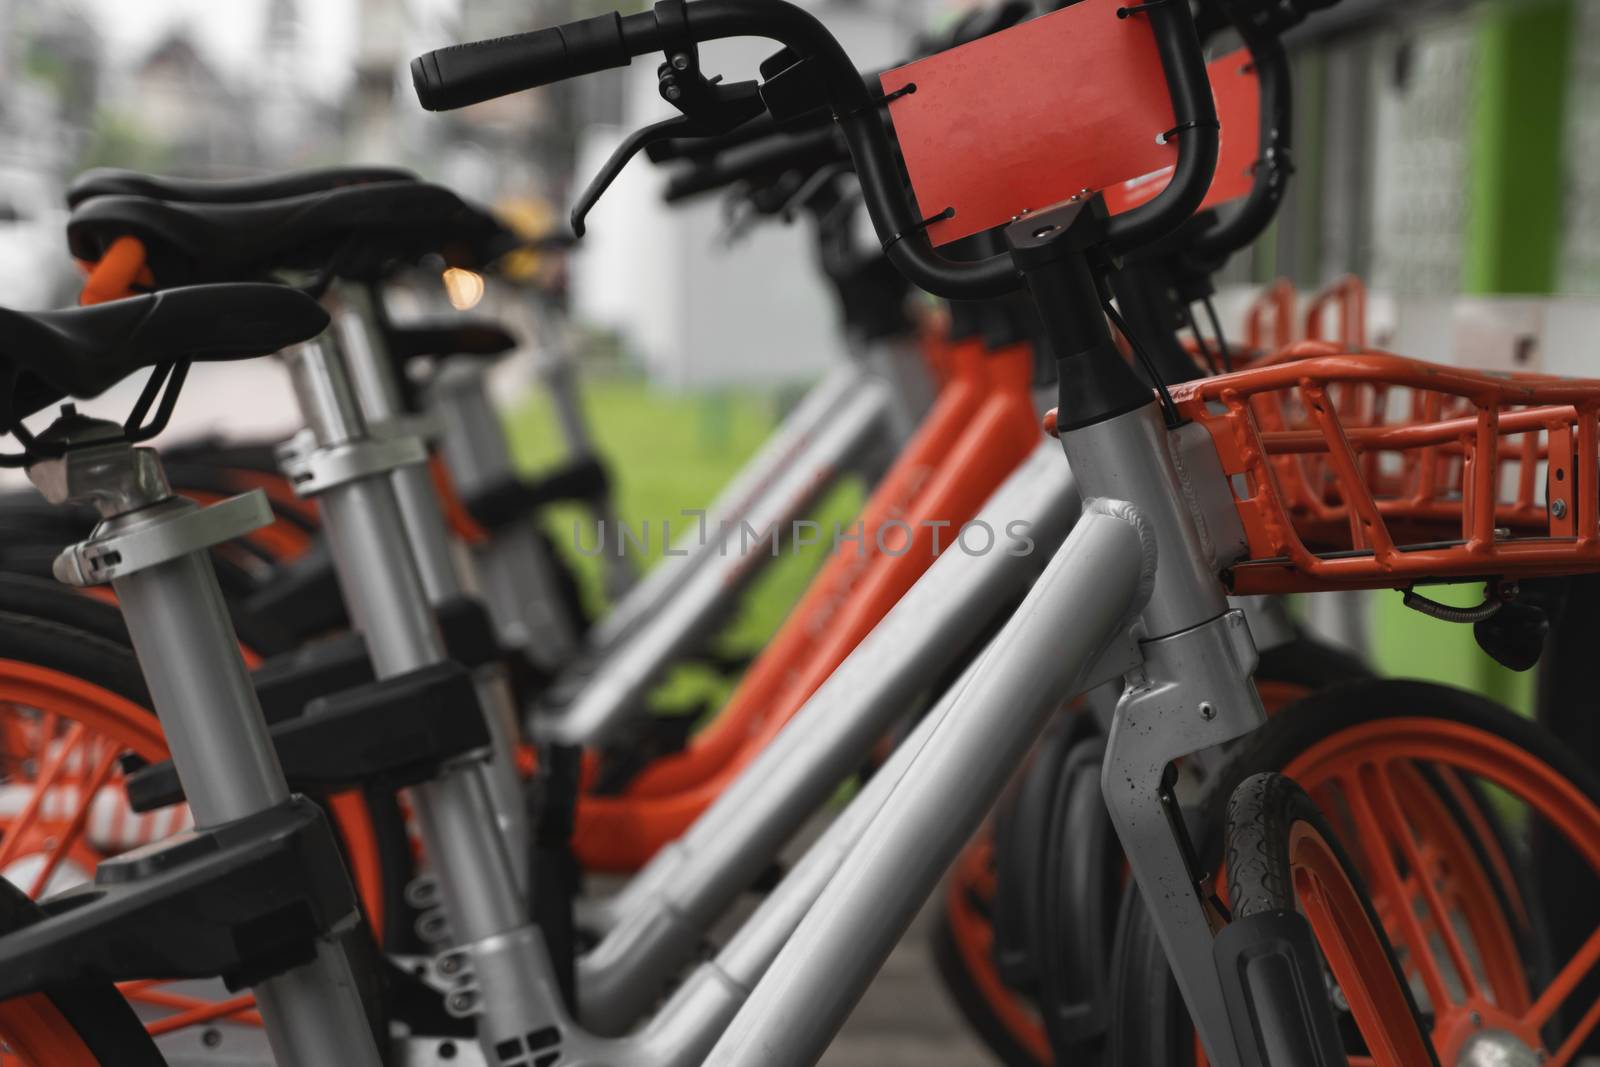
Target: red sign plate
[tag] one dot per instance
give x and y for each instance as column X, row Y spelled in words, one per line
column 1025, row 118
column 1237, row 92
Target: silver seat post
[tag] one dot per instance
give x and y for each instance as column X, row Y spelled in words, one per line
column 557, row 367
column 152, row 547
column 516, row 573
column 338, row 462
column 378, row 393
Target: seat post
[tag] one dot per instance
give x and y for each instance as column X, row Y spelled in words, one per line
column 517, row 575
column 377, row 394
column 338, row 461
column 151, row 546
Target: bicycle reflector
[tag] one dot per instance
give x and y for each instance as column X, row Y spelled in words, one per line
column 1376, row 471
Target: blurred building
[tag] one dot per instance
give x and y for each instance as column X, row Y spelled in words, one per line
column 176, row 99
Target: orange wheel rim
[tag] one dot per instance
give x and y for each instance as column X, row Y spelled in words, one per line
column 1433, row 892
column 973, row 934
column 1354, row 951
column 37, row 1035
column 62, row 809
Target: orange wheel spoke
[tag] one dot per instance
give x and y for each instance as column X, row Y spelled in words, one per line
column 1387, row 881
column 80, row 818
column 1574, row 1043
column 1576, row 969
column 1394, row 815
column 48, row 776
column 204, row 1011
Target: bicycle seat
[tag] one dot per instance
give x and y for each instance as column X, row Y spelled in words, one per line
column 113, row 181
column 358, row 231
column 81, row 352
column 456, row 336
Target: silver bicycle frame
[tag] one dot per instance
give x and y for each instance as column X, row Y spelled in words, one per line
column 379, row 577
column 662, row 915
column 378, row 394
column 200, row 689
column 785, row 450
column 689, row 1022
column 1186, row 663
column 590, row 710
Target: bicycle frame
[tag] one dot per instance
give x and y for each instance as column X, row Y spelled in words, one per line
column 981, row 426
column 660, row 917
column 586, row 708
column 1186, row 662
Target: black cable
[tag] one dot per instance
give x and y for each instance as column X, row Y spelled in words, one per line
column 1222, row 339
column 1199, row 338
column 1168, row 408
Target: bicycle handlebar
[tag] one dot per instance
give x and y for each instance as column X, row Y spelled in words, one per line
column 449, row 78
column 465, row 74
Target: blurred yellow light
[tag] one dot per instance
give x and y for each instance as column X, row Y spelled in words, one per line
column 463, row 287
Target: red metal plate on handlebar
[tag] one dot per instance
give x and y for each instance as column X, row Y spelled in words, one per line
column 1237, row 92
column 1029, row 116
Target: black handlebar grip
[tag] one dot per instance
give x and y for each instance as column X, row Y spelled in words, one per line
column 463, row 74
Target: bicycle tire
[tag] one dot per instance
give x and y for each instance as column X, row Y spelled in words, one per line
column 1286, row 673
column 1158, row 1034
column 1270, row 821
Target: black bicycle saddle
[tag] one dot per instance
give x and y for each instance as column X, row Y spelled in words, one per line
column 356, row 232
column 453, row 336
column 113, row 181
column 81, row 352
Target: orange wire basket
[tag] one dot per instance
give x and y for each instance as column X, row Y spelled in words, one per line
column 1369, row 471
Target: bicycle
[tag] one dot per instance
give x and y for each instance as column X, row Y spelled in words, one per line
column 846, row 932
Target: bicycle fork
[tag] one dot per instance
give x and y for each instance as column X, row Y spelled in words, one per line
column 347, row 470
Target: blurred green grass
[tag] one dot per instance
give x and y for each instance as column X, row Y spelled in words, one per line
column 669, row 451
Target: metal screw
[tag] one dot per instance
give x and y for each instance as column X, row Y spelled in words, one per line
column 1558, row 508
column 462, row 1002
column 1501, row 533
column 211, row 1038
column 1477, row 1019
column 680, row 61
column 1208, row 710
column 672, row 92
column 449, row 965
column 447, row 1050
